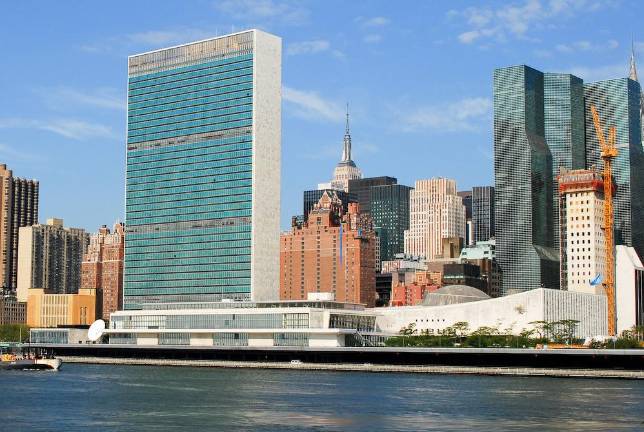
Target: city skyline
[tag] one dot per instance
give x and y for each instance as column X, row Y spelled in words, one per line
column 76, row 110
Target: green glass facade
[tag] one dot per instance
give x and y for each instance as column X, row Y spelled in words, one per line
column 189, row 173
column 618, row 104
column 564, row 130
column 523, row 182
column 390, row 213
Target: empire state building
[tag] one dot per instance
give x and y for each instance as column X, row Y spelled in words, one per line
column 346, row 169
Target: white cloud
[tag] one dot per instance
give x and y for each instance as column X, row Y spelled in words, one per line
column 104, row 97
column 599, row 73
column 291, row 13
column 169, row 37
column 377, row 21
column 308, row 47
column 7, row 151
column 310, row 105
column 584, row 45
column 372, row 38
column 517, row 19
column 463, row 115
column 68, row 128
column 149, row 39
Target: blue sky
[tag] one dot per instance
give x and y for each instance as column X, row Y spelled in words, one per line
column 417, row 76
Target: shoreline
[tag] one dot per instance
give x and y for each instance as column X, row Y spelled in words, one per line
column 366, row 367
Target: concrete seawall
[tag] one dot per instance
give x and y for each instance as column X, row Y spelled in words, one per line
column 367, row 367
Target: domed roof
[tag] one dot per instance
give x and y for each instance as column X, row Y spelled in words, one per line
column 454, row 294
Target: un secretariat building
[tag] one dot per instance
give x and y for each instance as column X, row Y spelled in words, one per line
column 203, row 171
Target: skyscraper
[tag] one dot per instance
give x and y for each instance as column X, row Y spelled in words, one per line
column 523, row 182
column 346, row 169
column 18, row 208
column 49, row 258
column 390, row 214
column 436, row 212
column 361, row 190
column 583, row 244
column 632, row 74
column 469, row 225
column 102, row 268
column 483, row 213
column 618, row 103
column 203, row 171
column 563, row 107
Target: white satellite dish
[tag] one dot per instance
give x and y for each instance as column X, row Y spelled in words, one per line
column 96, row 330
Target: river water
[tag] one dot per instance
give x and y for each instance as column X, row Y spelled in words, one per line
column 135, row 398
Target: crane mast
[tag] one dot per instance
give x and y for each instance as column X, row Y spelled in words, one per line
column 608, row 153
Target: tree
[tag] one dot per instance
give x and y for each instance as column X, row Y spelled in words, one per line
column 461, row 328
column 542, row 328
column 568, row 328
column 14, row 333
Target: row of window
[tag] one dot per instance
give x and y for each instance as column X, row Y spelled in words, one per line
column 194, row 130
column 166, row 121
column 186, row 153
column 190, row 184
column 148, row 128
column 188, row 218
column 211, row 211
column 244, row 165
column 219, row 93
column 178, row 72
column 212, row 321
column 190, row 235
column 223, row 160
column 198, row 266
column 192, row 106
column 210, row 193
column 215, row 99
column 191, row 80
column 215, row 203
column 194, row 88
column 186, row 287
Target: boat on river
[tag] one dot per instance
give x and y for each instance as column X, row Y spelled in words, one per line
column 28, row 360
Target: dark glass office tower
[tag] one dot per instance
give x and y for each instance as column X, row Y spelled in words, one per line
column 483, row 212
column 203, row 171
column 361, row 190
column 523, row 182
column 618, row 104
column 390, row 213
column 564, row 130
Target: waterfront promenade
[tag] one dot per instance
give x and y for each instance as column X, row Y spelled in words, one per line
column 484, row 361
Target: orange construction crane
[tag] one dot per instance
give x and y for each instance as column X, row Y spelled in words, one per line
column 608, row 153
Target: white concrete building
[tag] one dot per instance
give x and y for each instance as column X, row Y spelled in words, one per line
column 582, row 240
column 513, row 312
column 629, row 288
column 306, row 323
column 436, row 212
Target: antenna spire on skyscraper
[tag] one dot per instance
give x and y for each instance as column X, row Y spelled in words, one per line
column 346, row 151
column 633, row 70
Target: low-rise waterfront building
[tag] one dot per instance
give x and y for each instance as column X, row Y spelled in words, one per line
column 512, row 313
column 629, row 288
column 305, row 323
column 67, row 335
